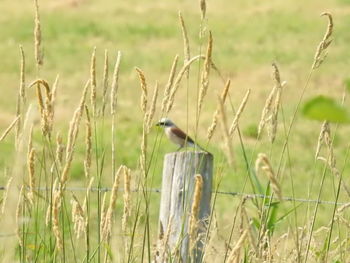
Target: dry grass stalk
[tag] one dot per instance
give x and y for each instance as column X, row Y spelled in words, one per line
column 46, row 109
column 18, row 124
column 193, row 224
column 103, row 212
column 235, row 252
column 114, row 87
column 37, row 36
column 5, row 195
column 226, row 134
column 187, row 54
column 143, row 89
column 325, row 138
column 239, row 113
column 152, row 109
column 88, row 144
column 274, row 114
column 22, row 83
column 87, row 195
column 107, row 226
column 126, row 197
column 9, row 128
column 266, row 110
column 203, row 7
column 270, row 111
column 72, row 136
column 143, row 158
column 77, row 217
column 205, row 73
column 20, row 203
column 177, row 81
column 55, row 219
column 58, row 154
column 31, row 173
column 263, row 163
column 105, row 82
column 49, row 211
column 163, row 239
column 245, row 218
column 324, row 129
column 343, row 207
column 93, row 82
column 214, row 122
column 321, row 53
column 54, row 95
column 169, row 84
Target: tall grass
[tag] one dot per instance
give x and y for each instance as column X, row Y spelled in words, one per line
column 44, row 218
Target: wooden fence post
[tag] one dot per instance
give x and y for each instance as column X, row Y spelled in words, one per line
column 178, row 184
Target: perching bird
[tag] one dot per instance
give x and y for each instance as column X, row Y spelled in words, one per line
column 176, row 135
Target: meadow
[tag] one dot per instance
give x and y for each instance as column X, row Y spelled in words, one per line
column 84, row 146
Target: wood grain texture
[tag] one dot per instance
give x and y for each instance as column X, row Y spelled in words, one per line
column 176, row 199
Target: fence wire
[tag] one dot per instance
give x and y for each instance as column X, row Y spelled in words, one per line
column 247, row 195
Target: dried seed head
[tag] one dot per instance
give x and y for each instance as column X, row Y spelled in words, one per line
column 126, row 197
column 88, row 143
column 72, row 136
column 263, row 163
column 4, row 197
column 239, row 113
column 177, row 81
column 214, row 122
column 7, row 131
column 114, row 87
column 186, row 42
column 93, row 82
column 321, row 53
column 77, row 217
column 143, row 89
column 59, row 149
column 235, row 252
column 152, row 109
column 169, row 84
column 105, row 82
column 46, row 110
column 272, row 104
column 54, row 95
column 20, row 203
column 37, row 36
column 31, row 173
column 22, row 85
column 205, row 73
column 197, row 196
column 55, row 220
column 226, row 134
column 107, row 227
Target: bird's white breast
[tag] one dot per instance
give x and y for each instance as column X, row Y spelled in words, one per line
column 174, row 138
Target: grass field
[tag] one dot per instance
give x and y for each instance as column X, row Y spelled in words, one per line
column 248, row 36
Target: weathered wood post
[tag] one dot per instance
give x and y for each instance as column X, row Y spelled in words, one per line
column 178, row 185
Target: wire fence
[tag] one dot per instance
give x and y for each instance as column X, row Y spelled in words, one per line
column 247, row 195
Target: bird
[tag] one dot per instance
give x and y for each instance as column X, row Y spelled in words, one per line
column 176, row 135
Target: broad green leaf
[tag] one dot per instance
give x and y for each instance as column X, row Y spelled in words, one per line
column 325, row 109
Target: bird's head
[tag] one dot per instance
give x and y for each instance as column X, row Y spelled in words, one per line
column 165, row 122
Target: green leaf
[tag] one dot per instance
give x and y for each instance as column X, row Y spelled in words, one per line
column 347, row 84
column 325, row 109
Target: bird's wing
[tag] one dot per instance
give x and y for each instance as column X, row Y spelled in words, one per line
column 178, row 132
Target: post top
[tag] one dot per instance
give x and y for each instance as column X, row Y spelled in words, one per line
column 189, row 153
